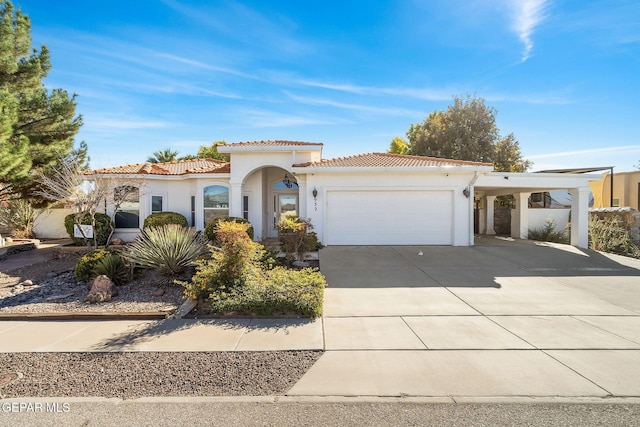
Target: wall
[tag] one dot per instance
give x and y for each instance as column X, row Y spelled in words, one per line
column 406, row 180
column 50, row 224
column 538, row 218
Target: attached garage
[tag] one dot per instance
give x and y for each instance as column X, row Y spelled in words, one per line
column 389, row 217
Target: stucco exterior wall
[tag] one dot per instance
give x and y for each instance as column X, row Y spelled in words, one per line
column 332, row 181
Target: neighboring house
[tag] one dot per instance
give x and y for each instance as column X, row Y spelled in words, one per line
column 366, row 199
column 626, row 191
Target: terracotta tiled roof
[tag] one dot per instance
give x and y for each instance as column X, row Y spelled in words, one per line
column 388, row 160
column 274, row 143
column 181, row 167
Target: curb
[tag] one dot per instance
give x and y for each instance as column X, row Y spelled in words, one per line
column 152, row 315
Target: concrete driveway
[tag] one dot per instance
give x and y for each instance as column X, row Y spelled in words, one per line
column 502, row 318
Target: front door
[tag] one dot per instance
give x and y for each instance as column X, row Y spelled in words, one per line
column 283, row 204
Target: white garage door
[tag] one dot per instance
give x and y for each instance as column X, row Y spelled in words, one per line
column 389, row 218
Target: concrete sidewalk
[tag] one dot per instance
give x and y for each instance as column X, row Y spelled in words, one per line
column 503, row 319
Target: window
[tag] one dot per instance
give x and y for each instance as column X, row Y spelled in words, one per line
column 193, row 211
column 128, row 214
column 156, row 204
column 282, row 186
column 245, row 207
column 216, row 202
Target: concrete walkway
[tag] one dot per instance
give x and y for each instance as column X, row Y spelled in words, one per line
column 505, row 318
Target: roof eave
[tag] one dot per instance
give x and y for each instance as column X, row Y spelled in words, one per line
column 405, row 169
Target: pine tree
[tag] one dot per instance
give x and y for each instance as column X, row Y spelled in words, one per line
column 37, row 126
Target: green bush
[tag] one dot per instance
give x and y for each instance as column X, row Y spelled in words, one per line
column 114, row 267
column 548, row 233
column 171, row 249
column 211, row 229
column 237, row 261
column 295, row 237
column 278, row 292
column 101, row 232
column 610, row 234
column 162, row 218
column 87, row 263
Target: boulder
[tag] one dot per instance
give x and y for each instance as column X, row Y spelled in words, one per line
column 102, row 289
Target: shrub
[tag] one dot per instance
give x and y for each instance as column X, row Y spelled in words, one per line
column 610, row 235
column 278, row 292
column 114, row 267
column 87, row 263
column 171, row 249
column 295, row 237
column 20, row 216
column 101, row 232
column 236, row 262
column 548, row 233
column 162, row 218
column 211, row 229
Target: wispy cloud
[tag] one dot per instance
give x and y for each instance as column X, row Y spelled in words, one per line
column 420, row 93
column 527, row 15
column 582, row 152
column 355, row 107
column 128, row 124
column 269, row 119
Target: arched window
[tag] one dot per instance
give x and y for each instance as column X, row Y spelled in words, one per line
column 127, row 198
column 216, row 202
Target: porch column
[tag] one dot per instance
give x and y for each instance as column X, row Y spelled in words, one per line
column 580, row 216
column 490, row 205
column 482, row 216
column 302, row 195
column 520, row 216
column 235, row 199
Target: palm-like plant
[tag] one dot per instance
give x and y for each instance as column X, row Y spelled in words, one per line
column 163, row 156
column 171, row 249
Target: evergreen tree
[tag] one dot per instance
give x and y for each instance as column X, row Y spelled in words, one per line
column 211, row 151
column 467, row 130
column 37, row 126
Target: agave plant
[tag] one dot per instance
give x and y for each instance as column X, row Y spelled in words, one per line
column 114, row 267
column 171, row 249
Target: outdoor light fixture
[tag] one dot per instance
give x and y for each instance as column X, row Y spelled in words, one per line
column 466, row 192
column 286, row 181
column 314, row 193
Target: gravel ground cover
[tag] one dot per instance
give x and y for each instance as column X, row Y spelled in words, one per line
column 147, row 374
column 55, row 289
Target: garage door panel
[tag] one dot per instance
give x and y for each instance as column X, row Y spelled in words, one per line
column 389, row 217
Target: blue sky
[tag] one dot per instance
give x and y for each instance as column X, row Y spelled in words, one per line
column 564, row 76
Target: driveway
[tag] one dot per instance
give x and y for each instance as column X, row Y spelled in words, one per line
column 502, row 318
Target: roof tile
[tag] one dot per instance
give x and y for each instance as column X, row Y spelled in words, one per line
column 274, row 143
column 389, row 160
column 180, row 167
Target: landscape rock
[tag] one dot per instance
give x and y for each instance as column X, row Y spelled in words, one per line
column 158, row 292
column 102, row 289
column 27, row 282
column 51, row 274
column 117, row 242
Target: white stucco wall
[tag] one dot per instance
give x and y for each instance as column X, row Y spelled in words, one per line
column 383, row 180
column 50, row 224
column 538, row 217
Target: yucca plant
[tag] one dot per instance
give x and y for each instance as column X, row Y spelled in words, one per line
column 114, row 267
column 171, row 249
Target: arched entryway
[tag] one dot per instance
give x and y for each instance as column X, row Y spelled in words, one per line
column 268, row 193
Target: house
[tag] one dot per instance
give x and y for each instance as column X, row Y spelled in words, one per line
column 366, row 199
column 625, row 188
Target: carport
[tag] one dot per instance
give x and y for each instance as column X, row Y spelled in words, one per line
column 521, row 185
